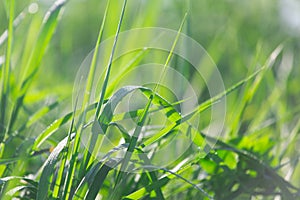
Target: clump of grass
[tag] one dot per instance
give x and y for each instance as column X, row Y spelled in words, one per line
column 242, row 166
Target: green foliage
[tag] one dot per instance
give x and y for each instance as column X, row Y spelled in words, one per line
column 41, row 133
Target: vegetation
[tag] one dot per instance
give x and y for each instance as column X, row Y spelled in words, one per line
column 106, row 134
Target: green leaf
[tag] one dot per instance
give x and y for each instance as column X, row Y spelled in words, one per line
column 260, row 166
column 6, row 73
column 90, row 175
column 48, row 170
column 34, row 60
column 54, row 126
column 202, row 107
column 38, row 115
column 140, row 193
column 16, row 22
column 99, row 179
column 50, row 130
column 108, row 111
column 86, row 181
column 251, row 89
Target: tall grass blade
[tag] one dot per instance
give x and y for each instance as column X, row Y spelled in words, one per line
column 251, row 89
column 58, row 184
column 89, row 86
column 48, row 170
column 54, row 126
column 5, row 79
column 99, row 179
column 143, row 116
column 16, row 22
column 44, row 37
column 90, row 176
column 202, row 107
column 85, row 103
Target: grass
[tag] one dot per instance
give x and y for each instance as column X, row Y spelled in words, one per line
column 97, row 149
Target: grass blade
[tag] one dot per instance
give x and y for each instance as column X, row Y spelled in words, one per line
column 260, row 166
column 6, row 73
column 151, row 167
column 92, row 140
column 85, row 103
column 8, row 161
column 140, row 193
column 50, row 130
column 87, row 180
column 202, row 107
column 48, row 170
column 58, row 183
column 143, row 116
column 250, row 90
column 54, row 126
column 16, row 22
column 99, row 179
column 38, row 115
column 44, row 37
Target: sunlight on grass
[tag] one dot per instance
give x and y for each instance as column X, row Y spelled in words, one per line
column 103, row 99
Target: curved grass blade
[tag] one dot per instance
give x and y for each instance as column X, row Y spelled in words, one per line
column 143, row 116
column 260, row 165
column 38, row 115
column 93, row 138
column 89, row 177
column 64, row 160
column 251, row 90
column 14, row 190
column 29, row 184
column 139, row 194
column 9, row 178
column 50, row 130
column 44, row 37
column 54, row 126
column 135, row 113
column 99, row 179
column 5, row 78
column 48, row 169
column 83, row 186
column 202, row 107
column 74, row 158
column 100, row 127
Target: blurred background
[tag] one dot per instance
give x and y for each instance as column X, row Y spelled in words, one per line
column 229, row 30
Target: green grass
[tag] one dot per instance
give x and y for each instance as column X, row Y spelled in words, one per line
column 42, row 155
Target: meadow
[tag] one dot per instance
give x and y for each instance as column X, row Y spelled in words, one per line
column 160, row 99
